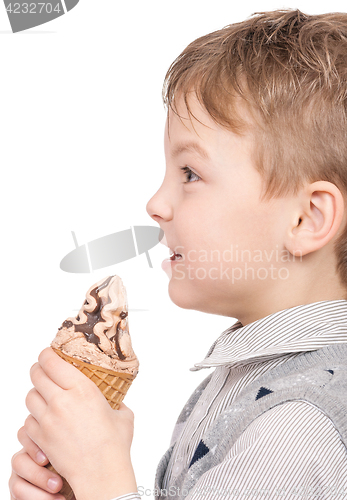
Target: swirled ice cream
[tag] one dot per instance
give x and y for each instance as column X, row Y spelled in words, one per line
column 99, row 334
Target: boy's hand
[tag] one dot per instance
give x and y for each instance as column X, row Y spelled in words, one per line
column 30, row 480
column 84, row 439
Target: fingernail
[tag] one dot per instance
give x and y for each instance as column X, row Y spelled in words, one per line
column 52, row 483
column 40, row 457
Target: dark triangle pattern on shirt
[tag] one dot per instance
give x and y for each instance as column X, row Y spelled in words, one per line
column 200, row 452
column 263, row 391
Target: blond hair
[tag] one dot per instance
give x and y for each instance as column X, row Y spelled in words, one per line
column 290, row 71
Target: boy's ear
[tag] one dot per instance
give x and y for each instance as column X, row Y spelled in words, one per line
column 317, row 220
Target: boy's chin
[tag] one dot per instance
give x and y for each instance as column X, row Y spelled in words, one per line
column 186, row 297
column 180, row 294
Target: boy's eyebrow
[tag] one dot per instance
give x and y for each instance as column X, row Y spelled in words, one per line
column 189, row 146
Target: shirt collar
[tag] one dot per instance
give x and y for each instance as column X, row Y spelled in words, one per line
column 302, row 328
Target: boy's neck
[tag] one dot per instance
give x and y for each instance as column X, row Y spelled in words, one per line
column 311, row 280
column 266, row 306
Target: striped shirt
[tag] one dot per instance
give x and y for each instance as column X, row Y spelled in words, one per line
column 290, row 447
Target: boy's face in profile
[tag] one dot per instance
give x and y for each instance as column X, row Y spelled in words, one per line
column 213, row 217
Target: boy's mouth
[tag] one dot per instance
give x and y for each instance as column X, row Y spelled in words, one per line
column 174, row 255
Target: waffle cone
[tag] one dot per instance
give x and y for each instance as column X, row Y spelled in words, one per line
column 113, row 385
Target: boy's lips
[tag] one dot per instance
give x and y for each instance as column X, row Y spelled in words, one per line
column 168, row 264
column 173, row 253
column 175, row 256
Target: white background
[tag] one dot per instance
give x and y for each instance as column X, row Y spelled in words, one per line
column 81, row 149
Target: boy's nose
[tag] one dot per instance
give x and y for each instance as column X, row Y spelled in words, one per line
column 158, row 208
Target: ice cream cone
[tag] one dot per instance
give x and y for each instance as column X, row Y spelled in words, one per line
column 113, row 385
column 97, row 342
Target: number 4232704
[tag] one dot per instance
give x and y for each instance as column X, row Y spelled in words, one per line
column 32, row 8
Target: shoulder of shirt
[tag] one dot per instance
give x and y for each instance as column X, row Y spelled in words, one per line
column 322, row 368
column 317, row 377
column 287, row 429
column 292, row 417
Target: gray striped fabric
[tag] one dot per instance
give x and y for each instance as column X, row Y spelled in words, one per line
column 129, row 496
column 242, row 354
column 302, row 437
column 318, row 378
column 301, row 328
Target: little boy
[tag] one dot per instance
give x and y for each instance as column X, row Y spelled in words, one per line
column 253, row 208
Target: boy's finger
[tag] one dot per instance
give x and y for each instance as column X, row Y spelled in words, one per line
column 36, row 476
column 124, row 408
column 31, row 448
column 35, row 404
column 42, row 382
column 32, row 428
column 26, row 491
column 58, row 370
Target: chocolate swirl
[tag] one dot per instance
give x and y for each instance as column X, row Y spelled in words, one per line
column 94, row 316
column 103, row 324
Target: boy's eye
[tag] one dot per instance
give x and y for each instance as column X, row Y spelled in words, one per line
column 191, row 175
